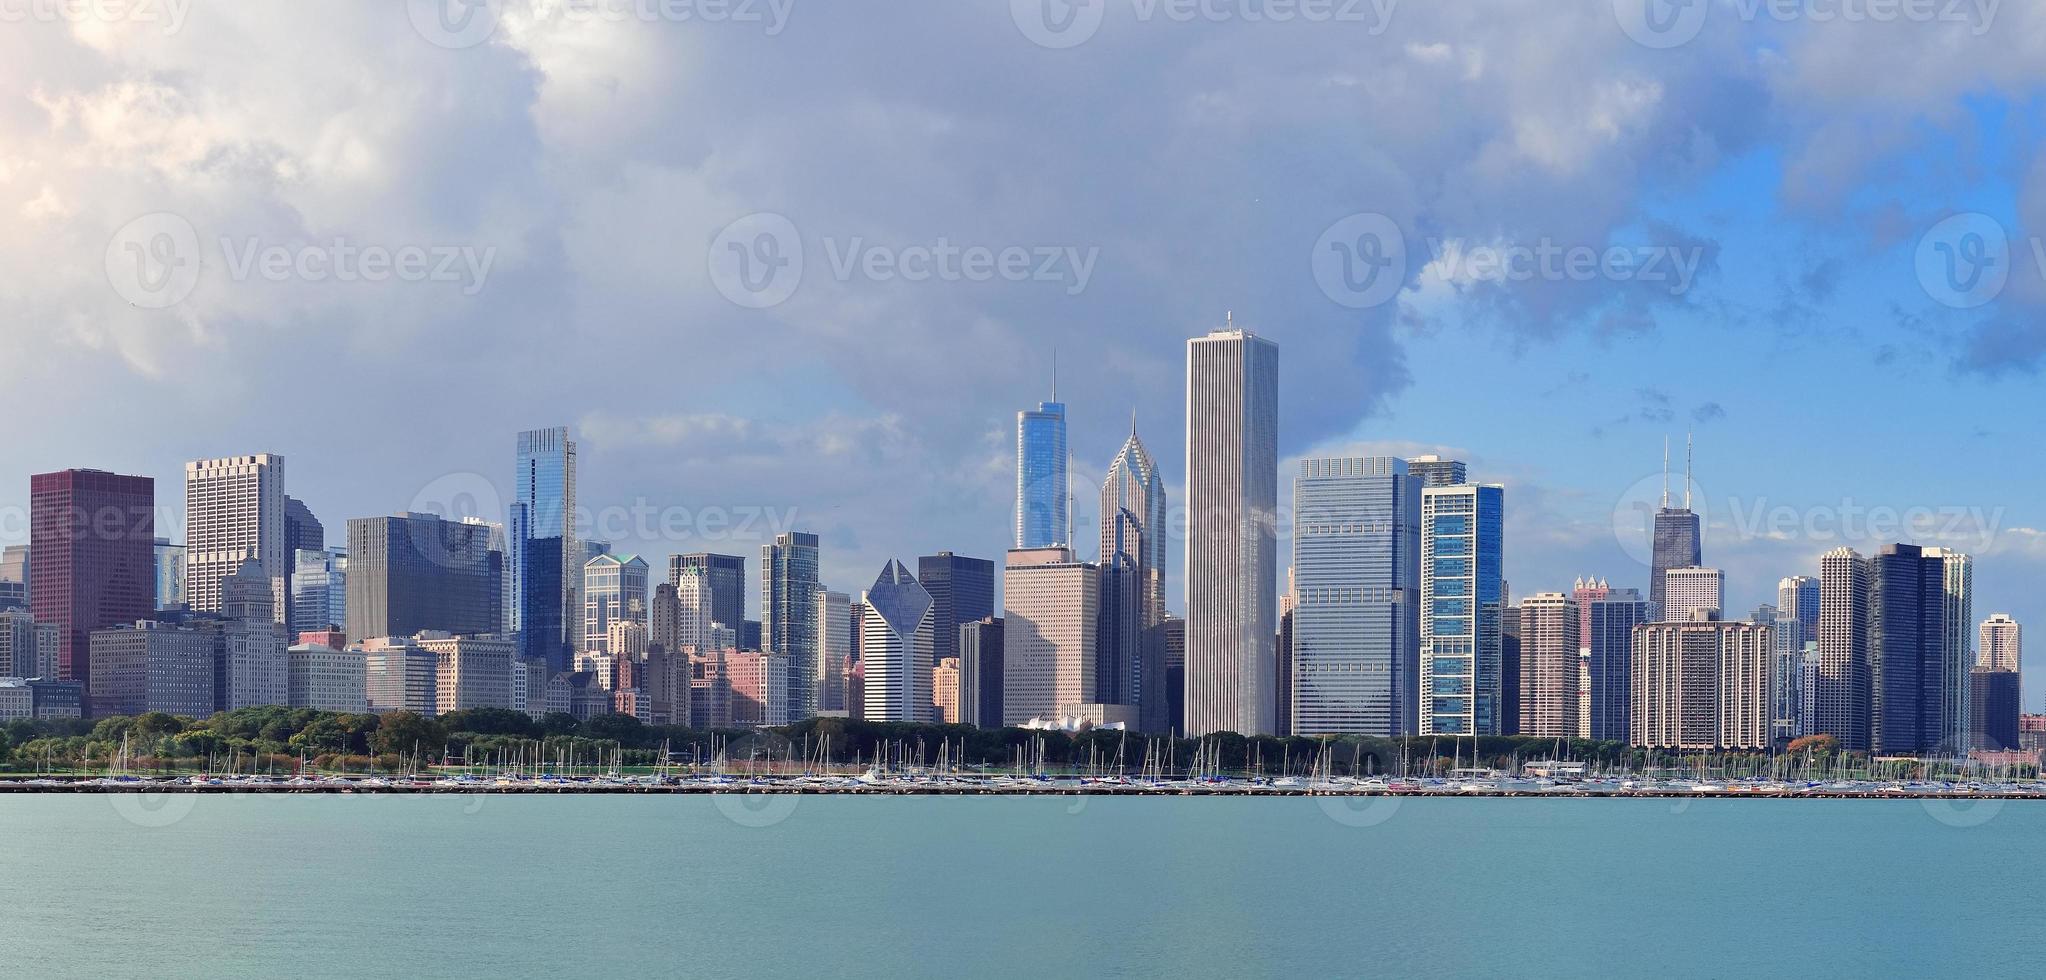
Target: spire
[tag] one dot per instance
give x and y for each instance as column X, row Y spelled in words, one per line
column 1687, row 469
column 1665, row 472
column 1054, row 372
column 1133, row 421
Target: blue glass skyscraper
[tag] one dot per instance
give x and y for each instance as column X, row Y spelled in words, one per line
column 1043, row 517
column 1462, row 589
column 546, row 560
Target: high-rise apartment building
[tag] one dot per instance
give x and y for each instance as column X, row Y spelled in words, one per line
column 614, row 591
column 1050, row 610
column 1842, row 695
column 1907, row 635
column 234, row 513
column 788, row 613
column 2002, row 644
column 1356, row 644
column 91, row 557
column 1701, row 685
column 1957, row 658
column 724, row 576
column 1463, row 590
column 1549, row 640
column 1693, row 594
column 1232, row 463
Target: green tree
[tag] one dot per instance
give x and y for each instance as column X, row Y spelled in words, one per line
column 400, row 732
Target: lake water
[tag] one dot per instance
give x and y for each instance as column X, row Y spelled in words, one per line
column 609, row 886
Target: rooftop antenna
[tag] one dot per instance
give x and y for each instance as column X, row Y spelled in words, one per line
column 1133, row 420
column 1665, row 472
column 1687, row 469
column 1054, row 373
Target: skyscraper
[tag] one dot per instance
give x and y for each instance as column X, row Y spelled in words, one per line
column 615, row 591
column 302, row 532
column 1434, row 471
column 1043, row 496
column 1357, row 592
column 1907, row 635
column 1610, row 642
column 1134, row 484
column 725, row 575
column 253, row 666
column 1693, row 594
column 1957, row 658
column 1841, row 695
column 1232, row 464
column 91, row 557
column 1463, row 589
column 788, row 613
column 1701, row 686
column 980, row 672
column 416, row 572
column 1676, row 543
column 1132, row 560
column 834, row 648
column 545, row 559
column 1549, row 624
column 895, row 648
column 1050, row 615
column 1797, row 624
column 170, row 574
column 319, row 590
column 2002, row 643
column 234, row 512
column 962, row 591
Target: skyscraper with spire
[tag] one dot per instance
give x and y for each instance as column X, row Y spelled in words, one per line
column 1043, row 498
column 1132, row 570
column 1676, row 543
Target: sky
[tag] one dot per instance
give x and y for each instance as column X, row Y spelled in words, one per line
column 796, row 265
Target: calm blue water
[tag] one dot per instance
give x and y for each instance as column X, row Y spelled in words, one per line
column 518, row 887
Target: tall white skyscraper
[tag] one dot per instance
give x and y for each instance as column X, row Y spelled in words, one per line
column 895, row 647
column 1232, row 475
column 2002, row 644
column 1693, row 594
column 1049, row 607
column 834, row 648
column 1357, row 593
column 1957, row 655
column 234, row 512
column 1840, row 693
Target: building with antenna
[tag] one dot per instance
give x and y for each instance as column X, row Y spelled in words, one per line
column 1676, row 541
column 1043, row 498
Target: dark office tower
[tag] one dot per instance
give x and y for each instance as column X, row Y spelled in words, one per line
column 302, row 532
column 1994, row 713
column 1434, row 471
column 962, row 591
column 92, row 557
column 1609, row 636
column 1283, row 703
column 544, row 560
column 1906, row 651
column 727, row 577
column 980, row 672
column 1676, row 532
column 1172, row 637
column 1119, row 618
column 1841, row 694
column 1509, row 670
column 418, row 572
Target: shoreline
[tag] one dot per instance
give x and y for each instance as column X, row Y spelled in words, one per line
column 813, row 786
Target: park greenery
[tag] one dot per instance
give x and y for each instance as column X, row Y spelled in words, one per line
column 279, row 739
